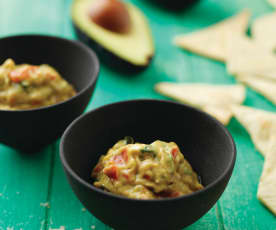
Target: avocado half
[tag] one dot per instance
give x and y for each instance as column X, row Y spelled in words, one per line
column 131, row 51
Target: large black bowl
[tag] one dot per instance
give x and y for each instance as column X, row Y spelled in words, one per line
column 31, row 130
column 205, row 142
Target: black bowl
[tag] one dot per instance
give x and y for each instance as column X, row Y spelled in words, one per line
column 204, row 141
column 31, row 130
column 174, row 5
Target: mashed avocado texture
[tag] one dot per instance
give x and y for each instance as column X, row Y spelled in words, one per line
column 29, row 86
column 142, row 171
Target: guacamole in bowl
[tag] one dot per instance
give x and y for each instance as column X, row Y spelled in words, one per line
column 205, row 143
column 142, row 171
column 28, row 86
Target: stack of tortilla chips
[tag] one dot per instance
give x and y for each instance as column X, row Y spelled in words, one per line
column 253, row 63
column 210, row 42
column 261, row 125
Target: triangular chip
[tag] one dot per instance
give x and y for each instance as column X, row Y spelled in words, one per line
column 244, row 55
column 267, row 192
column 264, row 86
column 202, row 94
column 270, row 159
column 267, row 186
column 214, row 99
column 221, row 113
column 264, row 30
column 272, row 2
column 210, row 42
column 260, row 124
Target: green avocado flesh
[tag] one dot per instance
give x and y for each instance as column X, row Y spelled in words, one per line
column 135, row 47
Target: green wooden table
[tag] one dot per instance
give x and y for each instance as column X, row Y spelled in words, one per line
column 34, row 193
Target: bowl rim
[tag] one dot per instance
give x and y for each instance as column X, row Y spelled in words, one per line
column 72, row 173
column 76, row 43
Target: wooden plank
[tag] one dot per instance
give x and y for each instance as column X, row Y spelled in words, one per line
column 208, row 221
column 23, row 188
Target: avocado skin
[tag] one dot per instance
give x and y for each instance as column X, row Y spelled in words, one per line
column 108, row 58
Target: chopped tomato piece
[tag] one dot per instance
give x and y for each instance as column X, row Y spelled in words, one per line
column 126, row 176
column 32, row 68
column 175, row 194
column 51, row 76
column 98, row 168
column 147, row 177
column 112, row 172
column 118, row 159
column 174, row 152
column 121, row 158
column 124, row 155
column 19, row 75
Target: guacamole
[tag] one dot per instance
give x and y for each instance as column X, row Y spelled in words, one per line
column 29, row 86
column 142, row 171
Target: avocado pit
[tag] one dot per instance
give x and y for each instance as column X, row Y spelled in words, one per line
column 111, row 15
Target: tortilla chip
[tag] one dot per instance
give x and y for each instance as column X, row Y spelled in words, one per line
column 270, row 159
column 210, row 42
column 272, row 2
column 244, row 55
column 264, row 86
column 264, row 31
column 267, row 192
column 267, row 186
column 223, row 114
column 214, row 99
column 260, row 124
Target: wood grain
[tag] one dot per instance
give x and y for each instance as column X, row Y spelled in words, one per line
column 23, row 188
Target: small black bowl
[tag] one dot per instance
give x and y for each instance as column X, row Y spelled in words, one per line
column 31, row 130
column 205, row 142
column 174, row 5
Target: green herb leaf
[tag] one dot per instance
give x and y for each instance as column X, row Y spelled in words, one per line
column 148, row 150
column 129, row 140
column 24, row 85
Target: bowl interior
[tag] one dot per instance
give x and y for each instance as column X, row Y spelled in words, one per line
column 74, row 61
column 205, row 143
